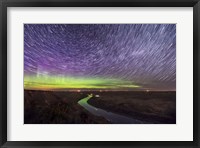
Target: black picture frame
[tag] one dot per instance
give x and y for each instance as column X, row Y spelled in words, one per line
column 4, row 4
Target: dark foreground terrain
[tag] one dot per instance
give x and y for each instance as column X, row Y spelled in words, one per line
column 51, row 107
column 56, row 107
column 151, row 107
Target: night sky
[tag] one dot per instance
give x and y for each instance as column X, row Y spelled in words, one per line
column 100, row 56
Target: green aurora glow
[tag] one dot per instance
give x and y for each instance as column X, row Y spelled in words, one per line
column 47, row 82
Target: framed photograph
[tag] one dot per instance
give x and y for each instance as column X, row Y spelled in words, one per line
column 99, row 73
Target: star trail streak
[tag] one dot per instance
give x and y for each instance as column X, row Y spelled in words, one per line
column 100, row 56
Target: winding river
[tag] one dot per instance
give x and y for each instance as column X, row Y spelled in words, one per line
column 111, row 117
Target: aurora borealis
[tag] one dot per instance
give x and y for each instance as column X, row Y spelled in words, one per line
column 100, row 56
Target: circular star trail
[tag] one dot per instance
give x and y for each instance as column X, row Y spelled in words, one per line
column 142, row 55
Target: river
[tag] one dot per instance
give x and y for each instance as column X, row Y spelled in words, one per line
column 111, row 117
